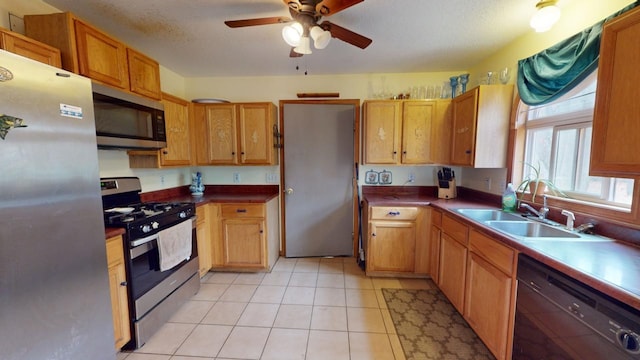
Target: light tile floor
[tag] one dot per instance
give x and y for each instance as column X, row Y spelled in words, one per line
column 304, row 309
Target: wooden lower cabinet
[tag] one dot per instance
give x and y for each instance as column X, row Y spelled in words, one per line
column 452, row 272
column 118, row 291
column 435, row 240
column 397, row 242
column 490, row 292
column 203, row 238
column 248, row 237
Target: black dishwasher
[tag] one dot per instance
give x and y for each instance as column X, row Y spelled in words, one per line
column 559, row 318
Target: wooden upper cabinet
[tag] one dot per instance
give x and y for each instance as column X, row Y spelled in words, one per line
column 29, row 48
column 481, row 126
column 176, row 115
column 101, row 57
column 144, row 74
column 441, row 133
column 234, row 134
column 417, row 119
column 400, row 132
column 87, row 51
column 382, row 132
column 615, row 147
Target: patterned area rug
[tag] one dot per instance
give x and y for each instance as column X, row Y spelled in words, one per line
column 429, row 327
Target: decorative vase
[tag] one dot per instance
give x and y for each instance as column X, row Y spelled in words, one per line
column 197, row 188
column 454, row 84
column 464, row 79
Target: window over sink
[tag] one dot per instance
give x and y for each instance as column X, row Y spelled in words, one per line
column 557, row 139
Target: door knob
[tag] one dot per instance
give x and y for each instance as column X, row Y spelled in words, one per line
column 289, row 191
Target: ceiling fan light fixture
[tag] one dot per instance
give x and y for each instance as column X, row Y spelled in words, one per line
column 546, row 15
column 320, row 37
column 304, row 47
column 292, row 34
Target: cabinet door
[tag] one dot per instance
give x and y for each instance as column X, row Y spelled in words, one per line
column 417, row 121
column 392, row 246
column 441, row 133
column 144, row 74
column 615, row 149
column 100, row 57
column 434, row 251
column 243, row 242
column 221, row 130
column 452, row 272
column 488, row 304
column 465, row 109
column 382, row 132
column 203, row 239
column 24, row 46
column 256, row 134
column 118, row 291
column 176, row 113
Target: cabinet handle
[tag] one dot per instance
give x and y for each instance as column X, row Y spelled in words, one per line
column 261, row 231
column 241, row 210
column 124, row 283
column 373, row 234
column 165, row 152
column 242, row 153
column 467, row 152
column 233, row 153
column 394, row 213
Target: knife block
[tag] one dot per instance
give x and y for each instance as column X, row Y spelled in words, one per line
column 447, row 189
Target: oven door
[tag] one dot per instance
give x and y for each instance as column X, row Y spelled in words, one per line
column 145, row 274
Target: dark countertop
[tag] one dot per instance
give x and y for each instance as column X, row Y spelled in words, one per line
column 610, row 266
column 212, row 194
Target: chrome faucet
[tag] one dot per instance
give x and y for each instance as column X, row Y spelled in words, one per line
column 585, row 228
column 542, row 213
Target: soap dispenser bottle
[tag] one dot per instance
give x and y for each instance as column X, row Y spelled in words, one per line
column 509, row 200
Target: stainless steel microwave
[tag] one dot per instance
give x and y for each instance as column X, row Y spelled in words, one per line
column 127, row 121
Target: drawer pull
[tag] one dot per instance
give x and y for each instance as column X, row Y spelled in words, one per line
column 241, row 210
column 394, row 213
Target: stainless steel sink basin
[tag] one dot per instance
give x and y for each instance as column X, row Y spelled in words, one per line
column 530, row 229
column 489, row 215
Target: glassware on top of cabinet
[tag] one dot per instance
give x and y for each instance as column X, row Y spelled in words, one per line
column 505, row 75
column 464, row 79
column 454, row 84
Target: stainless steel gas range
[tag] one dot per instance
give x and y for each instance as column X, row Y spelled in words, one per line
column 155, row 293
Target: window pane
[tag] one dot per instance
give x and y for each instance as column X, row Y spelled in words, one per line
column 565, row 164
column 592, row 185
column 539, row 151
column 622, row 191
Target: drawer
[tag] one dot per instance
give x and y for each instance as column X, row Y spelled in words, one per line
column 498, row 254
column 242, row 210
column 436, row 218
column 115, row 250
column 455, row 229
column 394, row 213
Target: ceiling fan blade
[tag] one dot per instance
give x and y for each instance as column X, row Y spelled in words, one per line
column 346, row 35
column 330, row 7
column 294, row 54
column 259, row 21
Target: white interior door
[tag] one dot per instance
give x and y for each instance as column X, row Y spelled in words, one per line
column 318, row 179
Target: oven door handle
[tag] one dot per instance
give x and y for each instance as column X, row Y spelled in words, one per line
column 147, row 239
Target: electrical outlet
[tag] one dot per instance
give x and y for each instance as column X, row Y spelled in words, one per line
column 487, row 183
column 503, row 184
column 412, row 177
column 272, row 178
column 161, row 179
column 236, row 178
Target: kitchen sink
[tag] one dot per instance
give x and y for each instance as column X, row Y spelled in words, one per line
column 530, row 229
column 489, row 215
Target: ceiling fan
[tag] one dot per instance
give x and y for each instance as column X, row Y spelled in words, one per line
column 305, row 15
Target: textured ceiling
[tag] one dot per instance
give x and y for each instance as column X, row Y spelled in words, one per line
column 190, row 38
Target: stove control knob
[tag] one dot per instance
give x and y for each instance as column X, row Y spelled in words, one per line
column 629, row 341
column 182, row 215
column 155, row 225
column 146, row 228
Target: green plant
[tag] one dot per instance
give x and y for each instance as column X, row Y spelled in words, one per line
column 533, row 183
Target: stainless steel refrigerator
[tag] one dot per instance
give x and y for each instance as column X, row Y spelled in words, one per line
column 54, row 287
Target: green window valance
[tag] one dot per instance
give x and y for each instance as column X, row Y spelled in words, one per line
column 552, row 72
